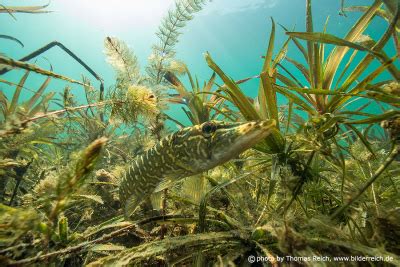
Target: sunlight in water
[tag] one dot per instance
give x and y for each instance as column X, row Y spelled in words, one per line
column 117, row 14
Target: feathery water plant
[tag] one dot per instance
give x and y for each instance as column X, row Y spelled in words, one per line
column 168, row 33
column 123, row 60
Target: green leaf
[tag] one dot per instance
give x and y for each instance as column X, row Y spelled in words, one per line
column 298, row 44
column 337, row 54
column 297, row 100
column 380, row 12
column 329, row 39
column 363, row 139
column 4, row 9
column 387, row 98
column 233, row 90
column 186, row 245
column 14, row 101
column 264, row 92
column 269, row 94
column 273, row 180
column 40, row 106
column 303, row 69
column 286, row 80
column 63, row 229
column 342, row 74
column 210, row 83
column 270, row 49
column 24, row 9
column 391, row 5
column 122, row 59
column 205, row 197
column 310, row 44
column 289, row 116
column 375, row 118
column 3, row 104
column 339, row 101
column 37, row 94
column 115, row 222
column 281, row 54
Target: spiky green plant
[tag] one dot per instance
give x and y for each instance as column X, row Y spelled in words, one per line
column 123, row 60
column 168, row 33
column 201, row 104
column 18, row 143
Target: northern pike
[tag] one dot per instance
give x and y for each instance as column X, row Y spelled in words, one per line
column 188, row 152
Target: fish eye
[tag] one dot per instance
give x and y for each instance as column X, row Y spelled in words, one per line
column 208, row 129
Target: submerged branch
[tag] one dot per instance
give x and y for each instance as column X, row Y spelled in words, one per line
column 79, row 247
column 31, row 67
column 24, row 124
column 69, row 52
column 57, row 112
column 132, row 228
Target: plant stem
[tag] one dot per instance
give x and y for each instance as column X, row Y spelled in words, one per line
column 394, row 152
column 24, row 123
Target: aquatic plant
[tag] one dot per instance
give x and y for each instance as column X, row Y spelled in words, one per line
column 168, row 32
column 274, row 213
column 19, row 144
column 23, row 9
column 200, row 105
column 123, row 60
column 326, row 114
column 325, row 182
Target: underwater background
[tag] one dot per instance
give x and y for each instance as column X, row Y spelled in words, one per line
column 200, row 133
column 236, row 32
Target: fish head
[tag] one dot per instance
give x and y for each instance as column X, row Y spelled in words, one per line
column 213, row 143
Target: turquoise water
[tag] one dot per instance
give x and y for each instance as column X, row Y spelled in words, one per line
column 235, row 33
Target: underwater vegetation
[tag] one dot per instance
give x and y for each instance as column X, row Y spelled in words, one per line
column 323, row 182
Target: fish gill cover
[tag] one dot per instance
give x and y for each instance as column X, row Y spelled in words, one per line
column 320, row 186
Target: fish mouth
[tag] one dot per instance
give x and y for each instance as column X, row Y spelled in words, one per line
column 249, row 134
column 253, row 132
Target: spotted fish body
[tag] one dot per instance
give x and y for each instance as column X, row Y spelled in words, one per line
column 187, row 152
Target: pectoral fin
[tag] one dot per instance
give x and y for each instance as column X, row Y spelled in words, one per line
column 132, row 204
column 164, row 184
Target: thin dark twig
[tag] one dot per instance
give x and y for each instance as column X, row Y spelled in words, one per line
column 172, row 119
column 57, row 112
column 24, row 124
column 69, row 52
